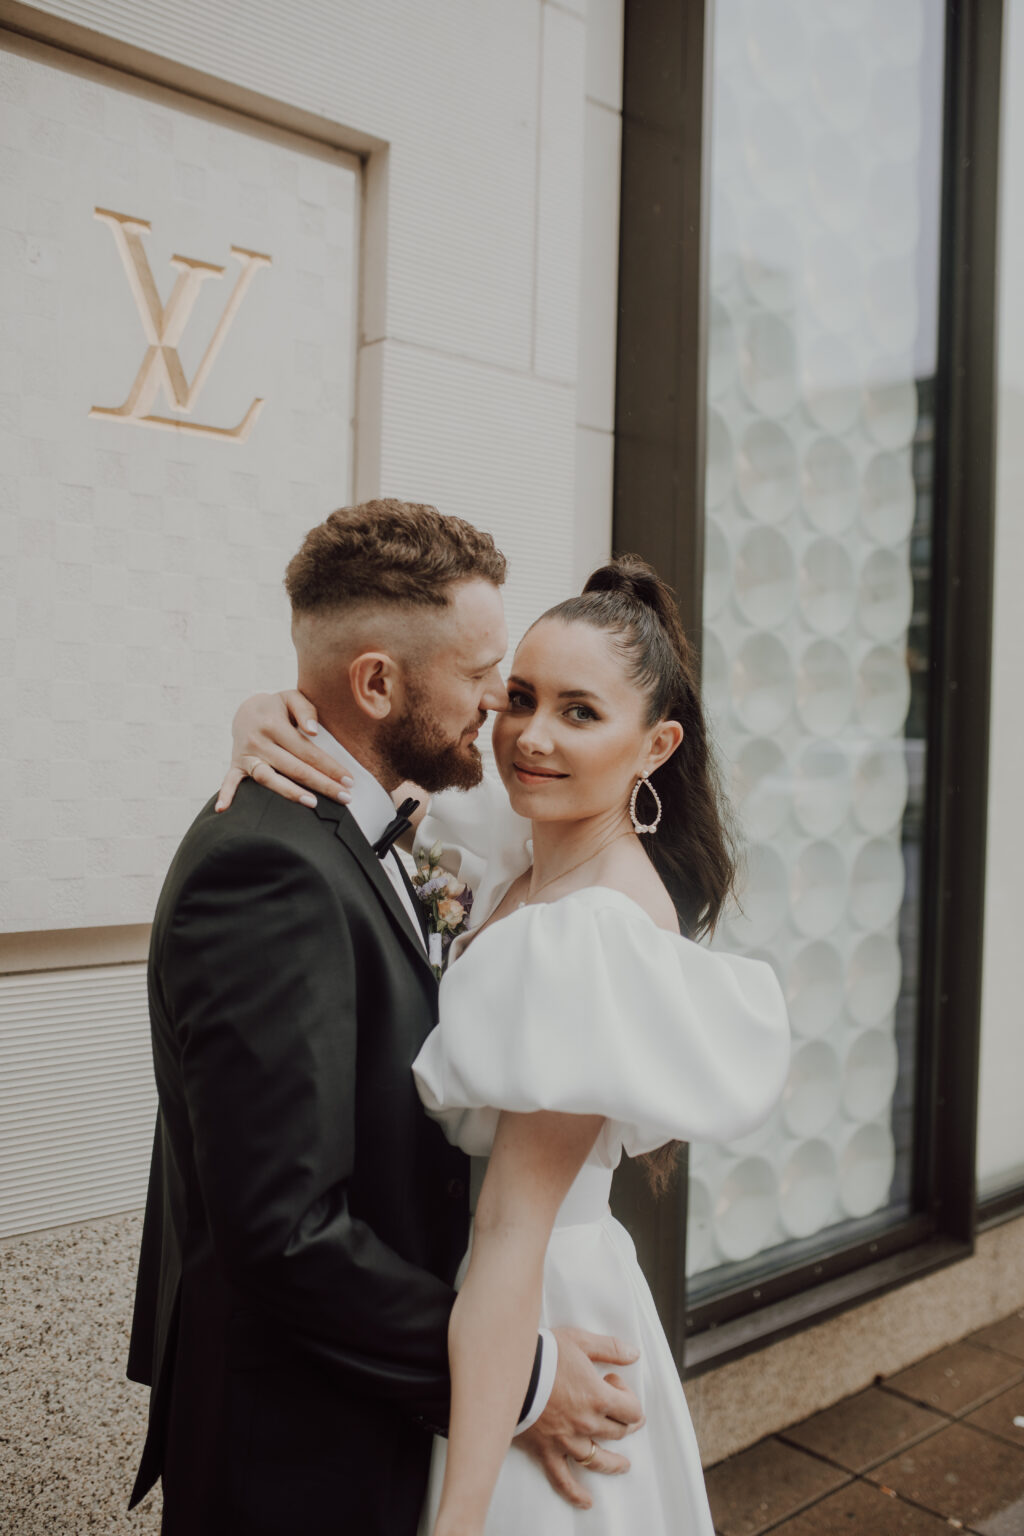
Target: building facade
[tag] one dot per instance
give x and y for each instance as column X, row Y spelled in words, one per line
column 262, row 262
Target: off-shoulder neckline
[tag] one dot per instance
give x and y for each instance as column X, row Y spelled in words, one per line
column 592, row 890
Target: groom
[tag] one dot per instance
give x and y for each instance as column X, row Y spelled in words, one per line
column 305, row 1218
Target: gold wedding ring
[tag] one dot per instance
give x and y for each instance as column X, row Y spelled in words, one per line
column 588, row 1459
column 254, row 763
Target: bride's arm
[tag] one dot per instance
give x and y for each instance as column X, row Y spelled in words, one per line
column 493, row 1329
column 270, row 742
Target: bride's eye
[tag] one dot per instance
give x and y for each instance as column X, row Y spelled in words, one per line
column 581, row 713
column 519, row 700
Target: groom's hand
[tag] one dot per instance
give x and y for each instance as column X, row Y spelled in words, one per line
column 585, row 1408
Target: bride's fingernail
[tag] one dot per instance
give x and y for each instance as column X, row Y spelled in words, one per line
column 344, row 796
column 311, row 727
column 308, row 800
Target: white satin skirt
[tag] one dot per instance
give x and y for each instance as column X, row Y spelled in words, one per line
column 592, row 1280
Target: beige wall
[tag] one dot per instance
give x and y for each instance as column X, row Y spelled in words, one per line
column 739, row 1403
column 470, row 298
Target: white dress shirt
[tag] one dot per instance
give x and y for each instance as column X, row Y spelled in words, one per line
column 372, row 808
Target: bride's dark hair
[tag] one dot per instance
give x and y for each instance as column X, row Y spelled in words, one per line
column 693, row 848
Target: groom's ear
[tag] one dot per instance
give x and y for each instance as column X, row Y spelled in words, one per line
column 373, row 677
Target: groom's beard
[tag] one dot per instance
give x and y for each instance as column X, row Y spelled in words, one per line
column 415, row 748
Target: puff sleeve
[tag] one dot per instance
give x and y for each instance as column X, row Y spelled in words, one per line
column 585, row 1006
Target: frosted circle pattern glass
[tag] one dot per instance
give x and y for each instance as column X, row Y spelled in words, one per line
column 876, row 884
column 763, row 684
column 714, row 675
column 895, row 113
column 889, row 497
column 762, row 898
column 824, row 689
column 866, row 1169
column 898, row 30
column 717, row 569
column 831, row 384
column 724, row 243
column 761, row 787
column 840, row 80
column 831, row 489
column 883, row 692
column 768, row 365
column 774, row 151
column 771, row 259
column 843, row 15
column 721, row 351
column 892, row 208
column 822, row 329
column 821, row 791
column 811, row 1095
column 880, row 788
column 890, row 408
column 814, row 989
column 767, row 473
column 818, row 886
column 719, row 460
column 728, row 150
column 891, row 287
column 886, row 595
column 836, row 177
column 700, row 1242
column 746, row 1208
column 869, row 1074
column 808, row 1188
column 834, row 282
column 765, row 578
column 873, row 979
column 777, row 47
column 828, row 587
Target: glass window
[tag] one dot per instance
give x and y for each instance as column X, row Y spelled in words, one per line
column 823, row 315
column 1000, row 1119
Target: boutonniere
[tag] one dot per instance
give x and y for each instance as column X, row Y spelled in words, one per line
column 447, row 900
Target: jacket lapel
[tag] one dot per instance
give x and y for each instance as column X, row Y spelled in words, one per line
column 347, row 831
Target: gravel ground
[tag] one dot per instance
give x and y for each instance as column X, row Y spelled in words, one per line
column 71, row 1425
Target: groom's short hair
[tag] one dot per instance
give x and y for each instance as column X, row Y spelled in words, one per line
column 400, row 553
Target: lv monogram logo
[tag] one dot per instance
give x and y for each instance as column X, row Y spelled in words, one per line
column 164, row 326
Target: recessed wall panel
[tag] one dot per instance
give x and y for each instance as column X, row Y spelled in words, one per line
column 177, row 335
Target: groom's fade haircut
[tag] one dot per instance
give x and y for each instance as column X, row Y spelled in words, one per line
column 401, row 554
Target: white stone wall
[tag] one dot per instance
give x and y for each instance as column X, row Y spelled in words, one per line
column 428, row 312
column 490, row 137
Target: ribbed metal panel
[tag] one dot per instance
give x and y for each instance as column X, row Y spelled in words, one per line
column 77, row 1100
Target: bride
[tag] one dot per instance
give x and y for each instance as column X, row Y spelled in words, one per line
column 579, row 1020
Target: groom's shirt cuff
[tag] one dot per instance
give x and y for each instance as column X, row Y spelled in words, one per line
column 545, row 1370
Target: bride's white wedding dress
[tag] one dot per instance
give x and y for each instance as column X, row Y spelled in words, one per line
column 585, row 1005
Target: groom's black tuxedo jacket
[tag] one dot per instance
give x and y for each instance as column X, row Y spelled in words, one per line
column 305, row 1218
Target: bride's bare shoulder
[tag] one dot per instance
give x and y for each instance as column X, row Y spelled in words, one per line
column 630, row 871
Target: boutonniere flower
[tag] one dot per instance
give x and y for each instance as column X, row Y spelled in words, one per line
column 448, row 902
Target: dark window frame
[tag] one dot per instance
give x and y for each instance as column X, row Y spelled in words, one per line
column 659, row 513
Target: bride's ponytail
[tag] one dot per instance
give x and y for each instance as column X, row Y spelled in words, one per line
column 692, row 849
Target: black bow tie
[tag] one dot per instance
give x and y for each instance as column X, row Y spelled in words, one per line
column 394, row 829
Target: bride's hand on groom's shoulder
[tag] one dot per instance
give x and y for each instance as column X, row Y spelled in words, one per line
column 585, row 1409
column 271, row 743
